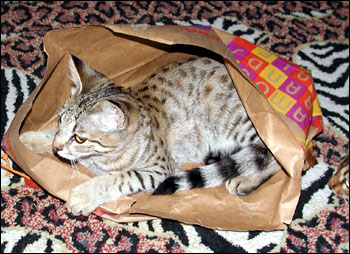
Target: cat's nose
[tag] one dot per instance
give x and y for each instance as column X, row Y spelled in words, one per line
column 56, row 148
column 57, row 144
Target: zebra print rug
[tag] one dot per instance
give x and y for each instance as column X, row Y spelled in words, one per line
column 34, row 221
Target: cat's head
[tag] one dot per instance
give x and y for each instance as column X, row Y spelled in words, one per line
column 90, row 122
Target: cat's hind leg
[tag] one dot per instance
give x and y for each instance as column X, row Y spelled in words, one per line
column 243, row 185
column 255, row 164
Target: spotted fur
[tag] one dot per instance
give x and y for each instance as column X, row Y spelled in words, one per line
column 136, row 139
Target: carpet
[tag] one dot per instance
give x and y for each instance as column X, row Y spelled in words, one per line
column 314, row 35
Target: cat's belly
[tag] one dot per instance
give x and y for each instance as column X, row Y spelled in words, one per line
column 187, row 154
column 184, row 144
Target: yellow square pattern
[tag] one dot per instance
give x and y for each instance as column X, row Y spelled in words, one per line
column 264, row 54
column 281, row 101
column 273, row 75
column 279, row 75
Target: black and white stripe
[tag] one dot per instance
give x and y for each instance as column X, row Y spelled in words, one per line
column 242, row 161
column 16, row 240
column 229, row 25
column 15, row 89
column 329, row 65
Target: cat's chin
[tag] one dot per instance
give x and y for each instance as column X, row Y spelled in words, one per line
column 66, row 157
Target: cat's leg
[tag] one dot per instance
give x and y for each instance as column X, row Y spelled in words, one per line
column 243, row 185
column 86, row 197
column 39, row 141
column 255, row 164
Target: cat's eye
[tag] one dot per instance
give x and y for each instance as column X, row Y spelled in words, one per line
column 80, row 140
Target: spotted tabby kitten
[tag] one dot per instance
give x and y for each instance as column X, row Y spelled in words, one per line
column 136, row 139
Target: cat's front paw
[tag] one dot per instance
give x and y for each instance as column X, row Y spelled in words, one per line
column 81, row 201
column 86, row 197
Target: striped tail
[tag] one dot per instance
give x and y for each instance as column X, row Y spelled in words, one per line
column 243, row 171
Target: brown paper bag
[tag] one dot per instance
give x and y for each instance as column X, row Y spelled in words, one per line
column 127, row 55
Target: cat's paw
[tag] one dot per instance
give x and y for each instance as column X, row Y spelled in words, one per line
column 38, row 141
column 86, row 197
column 81, row 201
column 240, row 186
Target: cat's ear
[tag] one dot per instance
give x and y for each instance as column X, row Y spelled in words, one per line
column 109, row 116
column 84, row 78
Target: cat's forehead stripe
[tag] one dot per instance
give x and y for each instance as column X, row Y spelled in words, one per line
column 77, row 105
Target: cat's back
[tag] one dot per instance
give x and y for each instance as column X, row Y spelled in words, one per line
column 195, row 74
column 191, row 101
column 190, row 83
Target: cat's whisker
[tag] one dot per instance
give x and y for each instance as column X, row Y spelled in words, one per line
column 72, row 163
column 78, row 160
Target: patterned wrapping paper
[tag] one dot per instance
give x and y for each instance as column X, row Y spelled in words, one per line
column 289, row 88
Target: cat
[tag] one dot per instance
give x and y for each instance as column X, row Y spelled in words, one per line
column 339, row 182
column 136, row 139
